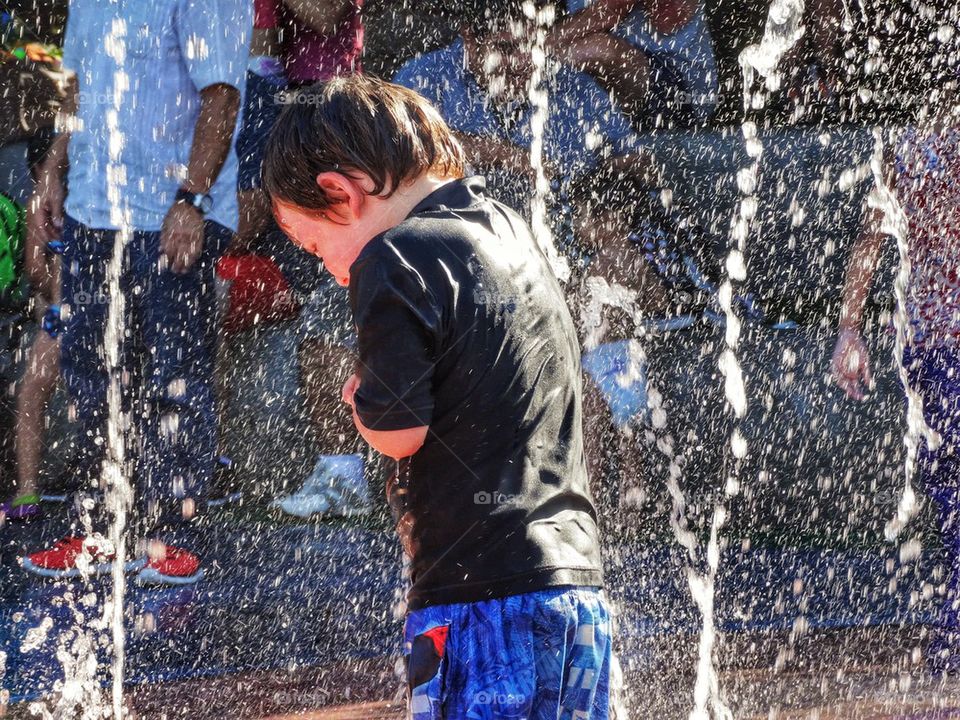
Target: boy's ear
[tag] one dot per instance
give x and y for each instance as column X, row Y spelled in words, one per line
column 343, row 191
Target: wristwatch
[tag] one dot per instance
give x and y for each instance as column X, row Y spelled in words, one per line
column 202, row 202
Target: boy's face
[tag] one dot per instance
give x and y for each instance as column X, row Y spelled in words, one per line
column 329, row 234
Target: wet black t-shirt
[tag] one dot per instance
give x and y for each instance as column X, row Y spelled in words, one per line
column 462, row 327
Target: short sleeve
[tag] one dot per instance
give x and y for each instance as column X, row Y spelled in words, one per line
column 74, row 37
column 214, row 38
column 397, row 337
column 612, row 125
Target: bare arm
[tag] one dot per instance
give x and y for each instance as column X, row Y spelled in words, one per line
column 322, row 16
column 599, row 16
column 396, row 444
column 45, row 217
column 213, row 133
column 850, row 363
column 181, row 236
column 860, row 272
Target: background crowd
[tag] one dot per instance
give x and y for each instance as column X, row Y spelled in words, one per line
column 641, row 151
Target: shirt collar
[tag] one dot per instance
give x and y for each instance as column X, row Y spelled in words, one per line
column 455, row 194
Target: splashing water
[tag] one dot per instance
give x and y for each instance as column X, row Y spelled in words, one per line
column 540, row 104
column 78, row 647
column 600, row 293
column 895, row 224
column 119, row 494
column 781, row 32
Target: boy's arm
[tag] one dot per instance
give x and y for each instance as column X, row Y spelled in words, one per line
column 396, row 444
column 398, row 330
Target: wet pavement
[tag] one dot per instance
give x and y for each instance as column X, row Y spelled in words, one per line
column 295, row 617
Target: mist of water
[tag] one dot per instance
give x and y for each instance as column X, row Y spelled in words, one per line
column 539, row 96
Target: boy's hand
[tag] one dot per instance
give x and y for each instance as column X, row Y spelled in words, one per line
column 350, row 389
column 851, row 364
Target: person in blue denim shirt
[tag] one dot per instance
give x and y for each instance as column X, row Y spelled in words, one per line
column 480, row 88
column 171, row 185
column 656, row 56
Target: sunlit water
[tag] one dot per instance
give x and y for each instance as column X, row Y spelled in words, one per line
column 119, row 493
column 79, row 646
column 77, row 649
column 895, row 224
column 539, row 96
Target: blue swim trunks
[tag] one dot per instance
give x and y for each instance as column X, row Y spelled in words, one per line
column 538, row 656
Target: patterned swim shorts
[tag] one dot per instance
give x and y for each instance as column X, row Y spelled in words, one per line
column 538, row 656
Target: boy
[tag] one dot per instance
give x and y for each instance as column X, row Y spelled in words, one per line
column 469, row 376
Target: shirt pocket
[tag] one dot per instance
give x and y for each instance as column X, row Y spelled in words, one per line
column 149, row 29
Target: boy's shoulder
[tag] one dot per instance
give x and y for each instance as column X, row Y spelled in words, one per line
column 444, row 225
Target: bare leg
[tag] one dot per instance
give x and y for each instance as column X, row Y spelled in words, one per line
column 36, row 387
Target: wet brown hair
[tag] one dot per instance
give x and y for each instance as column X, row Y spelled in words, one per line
column 356, row 123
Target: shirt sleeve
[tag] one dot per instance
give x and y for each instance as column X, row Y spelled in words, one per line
column 214, row 39
column 74, row 38
column 612, row 125
column 397, row 336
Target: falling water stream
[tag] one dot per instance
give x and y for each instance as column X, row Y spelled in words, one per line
column 539, row 96
column 781, row 33
column 895, row 224
column 118, row 492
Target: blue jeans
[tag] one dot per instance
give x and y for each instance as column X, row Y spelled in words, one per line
column 538, row 656
column 167, row 358
column 260, row 111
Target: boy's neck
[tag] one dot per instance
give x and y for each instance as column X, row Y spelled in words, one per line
column 407, row 196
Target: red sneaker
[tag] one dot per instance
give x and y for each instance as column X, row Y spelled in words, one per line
column 169, row 565
column 69, row 555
